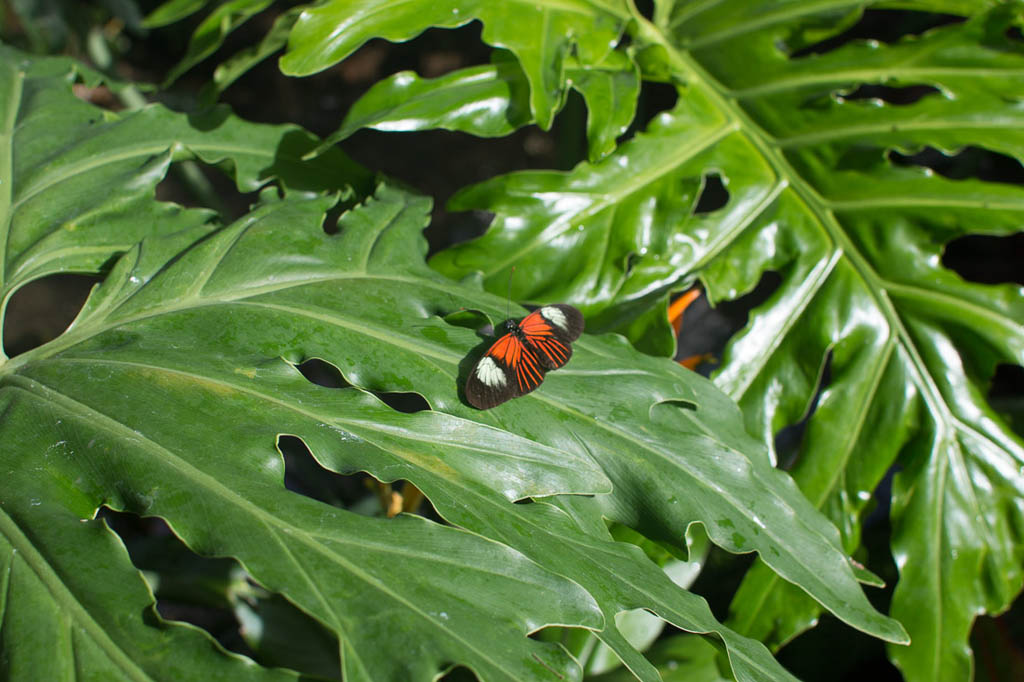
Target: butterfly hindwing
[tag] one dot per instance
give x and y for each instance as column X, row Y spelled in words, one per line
column 515, row 364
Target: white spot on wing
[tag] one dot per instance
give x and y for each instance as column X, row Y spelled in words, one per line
column 555, row 316
column 489, row 373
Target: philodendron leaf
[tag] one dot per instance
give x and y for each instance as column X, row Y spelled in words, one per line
column 814, row 195
column 166, row 396
column 77, row 182
column 542, row 34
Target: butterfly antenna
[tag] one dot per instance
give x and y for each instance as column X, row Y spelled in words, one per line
column 508, row 299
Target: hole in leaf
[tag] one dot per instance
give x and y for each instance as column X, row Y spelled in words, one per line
column 196, row 185
column 459, row 673
column 631, row 260
column 646, row 8
column 217, row 595
column 654, row 99
column 900, row 96
column 330, row 224
column 469, row 319
column 713, row 195
column 987, row 259
column 323, row 373
column 1007, row 395
column 41, row 310
column 789, row 438
column 706, row 331
column 970, row 162
column 404, row 402
column 887, row 26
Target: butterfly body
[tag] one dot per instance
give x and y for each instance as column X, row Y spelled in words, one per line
column 516, row 363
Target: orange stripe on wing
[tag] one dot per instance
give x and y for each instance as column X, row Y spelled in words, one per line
column 555, row 350
column 528, row 372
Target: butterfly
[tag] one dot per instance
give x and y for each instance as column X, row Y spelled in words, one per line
column 516, row 363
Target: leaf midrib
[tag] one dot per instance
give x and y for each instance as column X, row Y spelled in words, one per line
column 817, row 206
column 676, row 158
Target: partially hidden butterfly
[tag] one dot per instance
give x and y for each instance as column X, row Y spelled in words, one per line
column 516, row 363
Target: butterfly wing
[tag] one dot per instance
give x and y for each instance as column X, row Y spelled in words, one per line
column 549, row 331
column 507, row 370
column 516, row 363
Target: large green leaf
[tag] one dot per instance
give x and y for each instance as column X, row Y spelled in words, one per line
column 76, row 182
column 167, row 394
column 857, row 240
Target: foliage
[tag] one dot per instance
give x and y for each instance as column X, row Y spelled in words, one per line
column 168, row 394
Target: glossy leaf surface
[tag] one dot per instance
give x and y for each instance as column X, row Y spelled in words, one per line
column 814, row 195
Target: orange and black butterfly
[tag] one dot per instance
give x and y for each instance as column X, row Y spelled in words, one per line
column 516, row 363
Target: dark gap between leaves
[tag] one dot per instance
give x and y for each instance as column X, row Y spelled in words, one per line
column 900, row 96
column 998, row 644
column 713, row 195
column 987, row 259
column 847, row 654
column 304, row 475
column 41, row 310
column 857, row 656
column 789, row 438
column 210, row 593
column 720, row 578
column 357, row 492
column 969, row 162
column 887, row 26
column 707, row 330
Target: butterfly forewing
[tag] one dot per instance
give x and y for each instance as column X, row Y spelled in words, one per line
column 516, row 363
